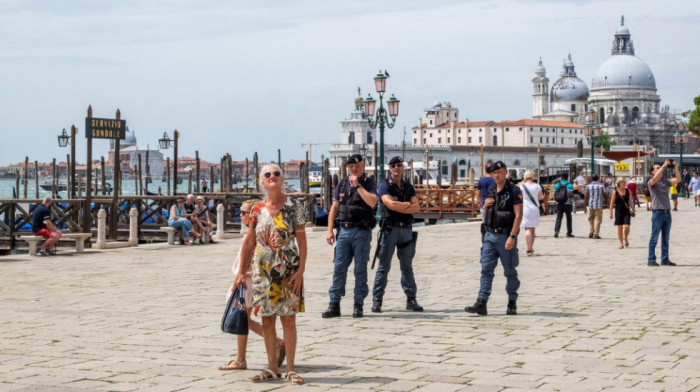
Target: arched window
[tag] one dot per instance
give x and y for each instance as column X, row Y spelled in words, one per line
column 495, row 140
column 351, row 138
column 602, row 115
column 635, row 113
column 462, row 162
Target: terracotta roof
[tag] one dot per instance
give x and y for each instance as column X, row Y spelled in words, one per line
column 538, row 123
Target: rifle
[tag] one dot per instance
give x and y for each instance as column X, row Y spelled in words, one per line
column 380, row 237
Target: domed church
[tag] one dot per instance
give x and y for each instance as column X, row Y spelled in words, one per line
column 568, row 99
column 623, row 94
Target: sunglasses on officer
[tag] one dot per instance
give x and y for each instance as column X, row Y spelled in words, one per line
column 276, row 173
column 395, row 165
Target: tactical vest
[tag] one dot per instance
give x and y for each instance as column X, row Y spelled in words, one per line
column 352, row 208
column 402, row 195
column 501, row 215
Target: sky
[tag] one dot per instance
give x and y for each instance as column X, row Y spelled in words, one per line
column 243, row 76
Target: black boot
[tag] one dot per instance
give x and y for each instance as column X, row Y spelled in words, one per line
column 512, row 308
column 332, row 311
column 479, row 307
column 377, row 306
column 412, row 304
column 357, row 311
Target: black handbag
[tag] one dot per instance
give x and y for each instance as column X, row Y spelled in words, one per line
column 235, row 318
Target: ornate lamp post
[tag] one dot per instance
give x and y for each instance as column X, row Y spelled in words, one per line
column 382, row 117
column 63, row 142
column 681, row 137
column 591, row 132
column 164, row 143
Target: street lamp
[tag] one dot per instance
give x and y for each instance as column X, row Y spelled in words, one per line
column 164, row 143
column 591, row 132
column 63, row 142
column 681, row 137
column 382, row 116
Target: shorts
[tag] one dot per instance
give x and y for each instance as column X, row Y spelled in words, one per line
column 46, row 233
column 674, row 197
column 697, row 192
column 647, row 198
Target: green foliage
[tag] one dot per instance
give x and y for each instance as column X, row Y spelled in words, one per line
column 605, row 140
column 694, row 117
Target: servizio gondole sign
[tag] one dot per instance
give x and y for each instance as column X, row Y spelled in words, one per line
column 105, row 128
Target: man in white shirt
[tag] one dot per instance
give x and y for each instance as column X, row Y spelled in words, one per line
column 581, row 179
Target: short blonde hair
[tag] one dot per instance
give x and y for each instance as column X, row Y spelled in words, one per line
column 619, row 180
column 528, row 175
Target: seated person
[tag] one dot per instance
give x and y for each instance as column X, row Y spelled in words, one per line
column 42, row 226
column 178, row 220
column 197, row 227
column 201, row 212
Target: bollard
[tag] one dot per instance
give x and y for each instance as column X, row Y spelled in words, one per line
column 220, row 222
column 101, row 229
column 133, row 227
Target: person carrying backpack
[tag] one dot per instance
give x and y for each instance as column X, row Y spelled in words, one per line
column 562, row 195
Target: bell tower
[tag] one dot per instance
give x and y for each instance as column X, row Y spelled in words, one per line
column 540, row 94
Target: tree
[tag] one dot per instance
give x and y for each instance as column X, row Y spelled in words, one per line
column 694, row 115
column 605, row 140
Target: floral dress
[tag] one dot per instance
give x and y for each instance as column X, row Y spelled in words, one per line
column 276, row 259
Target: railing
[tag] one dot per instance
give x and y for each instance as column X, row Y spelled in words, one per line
column 448, row 202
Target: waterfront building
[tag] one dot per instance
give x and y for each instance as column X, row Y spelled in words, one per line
column 129, row 152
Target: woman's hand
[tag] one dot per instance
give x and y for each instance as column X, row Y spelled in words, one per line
column 611, row 215
column 296, row 281
column 240, row 280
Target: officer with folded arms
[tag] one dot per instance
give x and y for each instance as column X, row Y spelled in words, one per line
column 399, row 203
column 354, row 202
column 504, row 212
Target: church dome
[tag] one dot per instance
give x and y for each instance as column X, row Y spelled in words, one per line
column 130, row 137
column 540, row 70
column 623, row 71
column 569, row 87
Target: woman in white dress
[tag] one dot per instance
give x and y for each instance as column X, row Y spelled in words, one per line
column 532, row 197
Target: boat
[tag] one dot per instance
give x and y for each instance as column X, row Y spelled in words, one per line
column 315, row 176
column 62, row 186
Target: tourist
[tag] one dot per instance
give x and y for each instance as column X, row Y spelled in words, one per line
column 532, row 198
column 609, row 183
column 483, row 186
column 647, row 196
column 661, row 211
column 203, row 185
column 504, row 212
column 593, row 204
column 694, row 186
column 197, row 227
column 201, row 214
column 242, row 340
column 399, row 203
column 354, row 202
column 276, row 247
column 563, row 205
column 623, row 207
column 686, row 182
column 581, row 179
column 44, row 227
column 674, row 195
column 632, row 186
column 179, row 221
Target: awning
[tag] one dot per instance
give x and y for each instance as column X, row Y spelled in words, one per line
column 622, row 155
column 598, row 161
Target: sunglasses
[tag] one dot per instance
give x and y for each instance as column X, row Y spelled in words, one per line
column 276, row 173
column 395, row 165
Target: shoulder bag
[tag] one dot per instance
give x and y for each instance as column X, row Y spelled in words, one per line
column 532, row 199
column 627, row 193
column 235, row 320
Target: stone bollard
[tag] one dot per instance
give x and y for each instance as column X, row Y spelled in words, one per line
column 133, row 227
column 220, row 222
column 101, row 230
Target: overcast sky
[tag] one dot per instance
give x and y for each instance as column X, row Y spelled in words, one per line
column 245, row 76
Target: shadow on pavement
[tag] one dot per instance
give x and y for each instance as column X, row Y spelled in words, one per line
column 553, row 314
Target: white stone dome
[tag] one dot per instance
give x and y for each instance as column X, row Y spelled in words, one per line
column 569, row 88
column 623, row 71
column 130, row 137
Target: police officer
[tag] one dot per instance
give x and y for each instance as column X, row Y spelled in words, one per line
column 399, row 202
column 504, row 211
column 354, row 202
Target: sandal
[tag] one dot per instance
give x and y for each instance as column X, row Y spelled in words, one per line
column 234, row 365
column 265, row 375
column 281, row 353
column 294, row 378
column 627, row 244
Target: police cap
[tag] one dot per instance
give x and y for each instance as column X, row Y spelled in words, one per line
column 354, row 158
column 396, row 159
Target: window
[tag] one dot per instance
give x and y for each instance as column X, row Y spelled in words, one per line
column 521, row 129
column 479, row 129
column 532, row 139
column 562, row 140
column 462, row 173
column 459, row 140
column 369, row 137
column 459, row 131
column 495, row 140
column 507, row 129
column 480, row 139
column 540, row 139
column 425, row 141
column 444, row 169
column 449, row 140
column 431, row 122
column 540, row 129
column 415, row 141
column 439, row 140
column 351, row 138
column 439, row 130
column 469, row 140
column 415, row 131
column 569, row 130
column 573, row 107
column 431, row 135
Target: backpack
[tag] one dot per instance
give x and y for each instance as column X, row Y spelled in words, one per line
column 561, row 195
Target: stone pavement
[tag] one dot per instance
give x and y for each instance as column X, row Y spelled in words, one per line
column 591, row 317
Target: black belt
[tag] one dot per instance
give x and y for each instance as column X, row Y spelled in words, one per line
column 349, row 225
column 498, row 231
column 665, row 211
column 397, row 224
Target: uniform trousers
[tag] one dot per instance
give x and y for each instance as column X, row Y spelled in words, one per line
column 353, row 242
column 400, row 238
column 494, row 248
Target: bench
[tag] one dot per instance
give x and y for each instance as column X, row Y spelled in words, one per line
column 79, row 238
column 172, row 231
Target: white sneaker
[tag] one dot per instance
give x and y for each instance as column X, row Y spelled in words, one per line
column 42, row 252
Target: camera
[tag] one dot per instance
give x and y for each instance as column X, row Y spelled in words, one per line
column 671, row 163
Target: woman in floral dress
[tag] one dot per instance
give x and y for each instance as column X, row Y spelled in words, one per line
column 277, row 250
